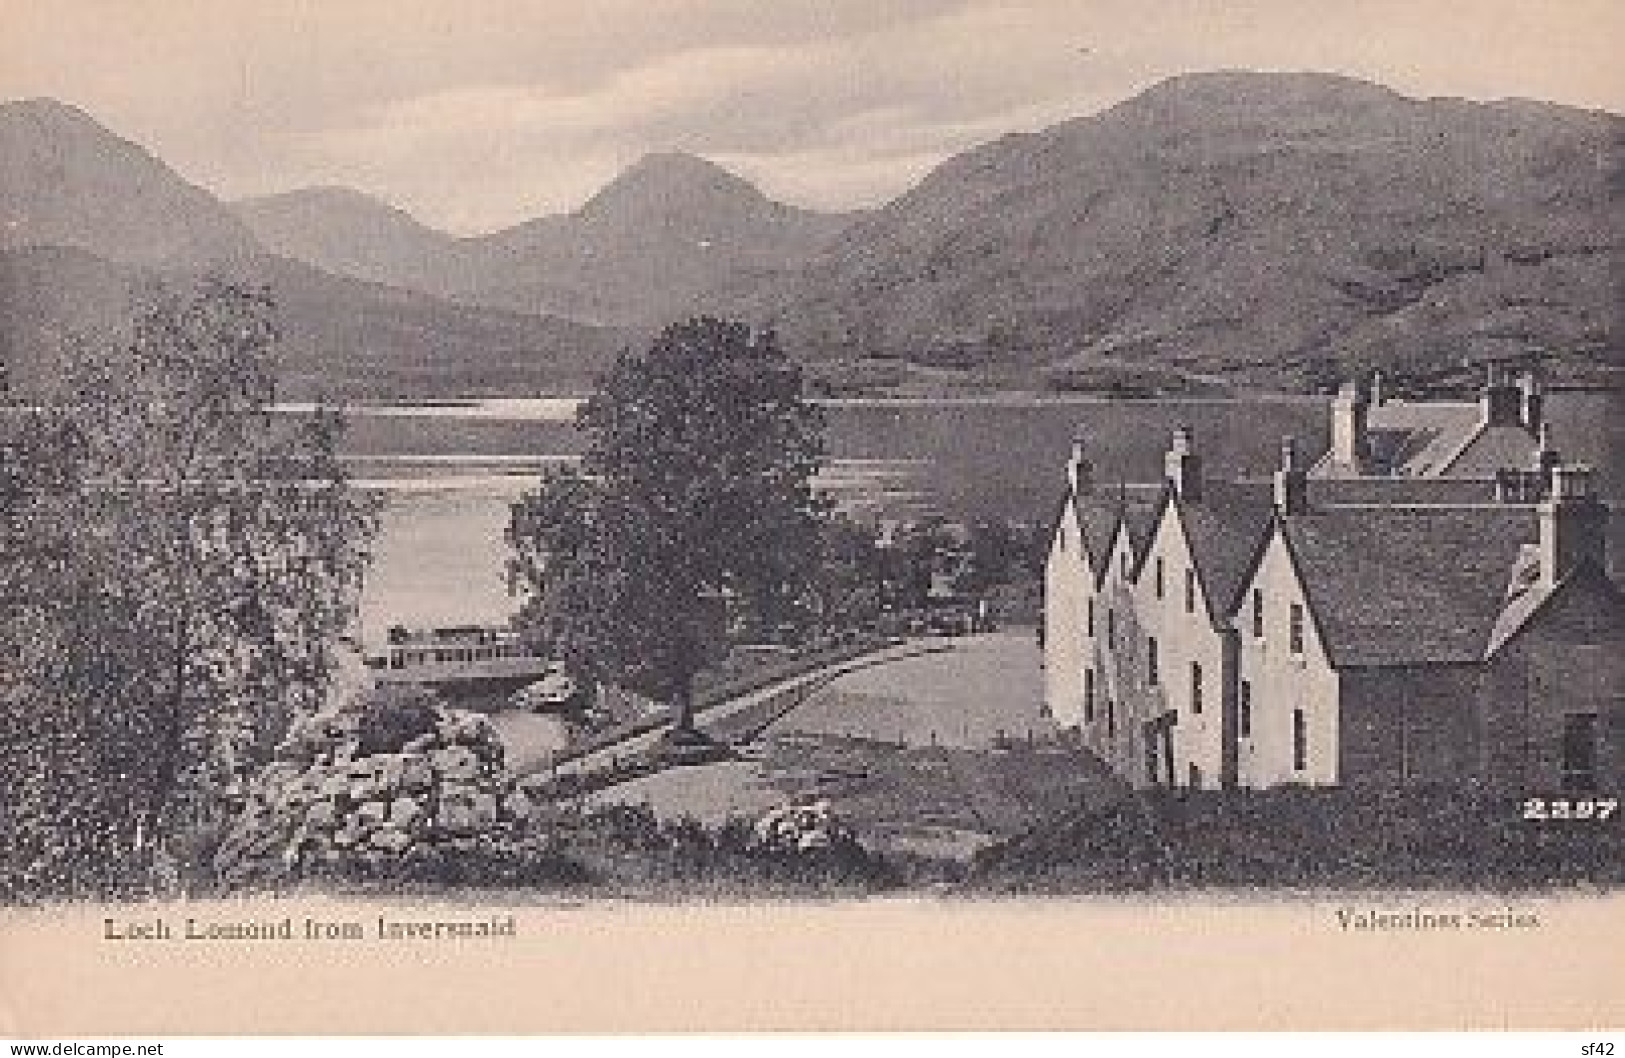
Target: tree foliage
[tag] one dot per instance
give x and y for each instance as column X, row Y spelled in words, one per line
column 693, row 506
column 179, row 563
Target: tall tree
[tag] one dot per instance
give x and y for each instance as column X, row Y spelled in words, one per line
column 694, row 501
column 184, row 562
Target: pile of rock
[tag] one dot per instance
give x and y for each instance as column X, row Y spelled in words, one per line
column 349, row 795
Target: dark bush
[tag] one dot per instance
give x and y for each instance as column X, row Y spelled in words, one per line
column 391, row 715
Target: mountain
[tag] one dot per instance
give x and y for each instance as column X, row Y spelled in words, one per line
column 340, row 337
column 637, row 253
column 90, row 219
column 1225, row 228
column 646, row 246
column 349, row 233
column 1239, row 225
column 67, row 181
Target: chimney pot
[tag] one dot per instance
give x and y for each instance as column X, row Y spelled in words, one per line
column 1291, row 483
column 1079, row 471
column 1532, row 401
column 1351, row 438
column 1501, row 402
column 1182, row 467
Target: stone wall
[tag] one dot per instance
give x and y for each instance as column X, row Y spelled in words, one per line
column 373, row 790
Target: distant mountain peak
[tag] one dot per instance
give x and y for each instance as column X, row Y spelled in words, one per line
column 1253, row 88
column 44, row 108
column 671, row 178
column 68, row 180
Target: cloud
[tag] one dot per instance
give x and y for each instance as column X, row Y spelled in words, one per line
column 480, row 113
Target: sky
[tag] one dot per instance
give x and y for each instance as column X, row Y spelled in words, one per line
column 477, row 114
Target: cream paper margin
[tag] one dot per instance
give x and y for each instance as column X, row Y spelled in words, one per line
column 1204, row 962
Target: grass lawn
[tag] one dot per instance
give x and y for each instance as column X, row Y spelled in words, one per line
column 940, row 801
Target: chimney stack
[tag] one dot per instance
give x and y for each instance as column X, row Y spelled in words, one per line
column 1573, row 524
column 1183, row 467
column 1547, row 456
column 1351, row 438
column 1079, row 471
column 1291, row 483
column 1532, row 401
column 1500, row 402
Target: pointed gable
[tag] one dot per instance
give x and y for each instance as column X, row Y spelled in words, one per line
column 1223, row 530
column 1103, row 513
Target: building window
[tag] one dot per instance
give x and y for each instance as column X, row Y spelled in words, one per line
column 1091, row 617
column 1580, row 752
column 1300, row 741
column 1111, row 628
column 1195, row 777
column 1196, row 687
column 1124, row 565
column 1089, row 696
column 1295, row 628
column 1152, row 672
column 1159, row 576
column 1111, row 719
column 1244, row 719
column 1258, row 613
column 1190, row 591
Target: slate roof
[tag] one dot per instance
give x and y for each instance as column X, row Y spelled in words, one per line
column 1224, row 528
column 1400, row 490
column 1101, row 509
column 1411, row 438
column 1527, row 597
column 1492, row 448
column 1408, row 585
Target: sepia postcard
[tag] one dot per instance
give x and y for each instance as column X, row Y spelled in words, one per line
column 522, row 517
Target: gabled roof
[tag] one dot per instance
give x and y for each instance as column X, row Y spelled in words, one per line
column 1408, row 585
column 1224, row 527
column 1102, row 509
column 1527, row 597
column 1491, row 449
column 1411, row 438
column 1415, row 439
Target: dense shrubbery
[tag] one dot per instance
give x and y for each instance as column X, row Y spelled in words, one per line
column 630, row 847
column 177, row 566
column 1427, row 836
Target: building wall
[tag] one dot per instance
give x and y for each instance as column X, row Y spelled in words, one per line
column 1409, row 724
column 1122, row 703
column 1067, row 587
column 1569, row 660
column 1184, row 637
column 1283, row 681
